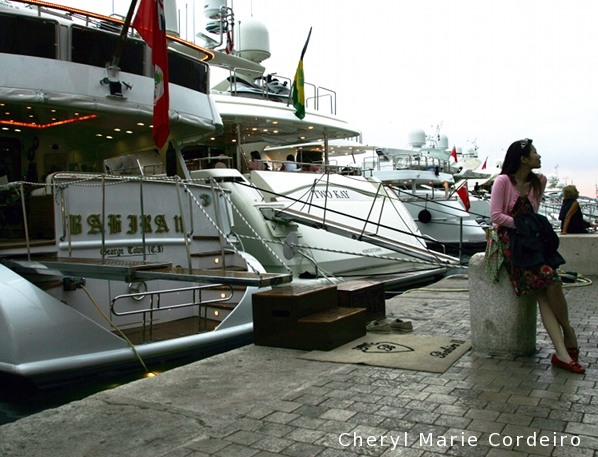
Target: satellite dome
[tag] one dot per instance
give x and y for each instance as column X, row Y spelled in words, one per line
column 416, row 138
column 211, row 9
column 443, row 142
column 253, row 40
column 170, row 15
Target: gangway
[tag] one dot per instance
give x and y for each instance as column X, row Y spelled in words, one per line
column 131, row 271
column 287, row 215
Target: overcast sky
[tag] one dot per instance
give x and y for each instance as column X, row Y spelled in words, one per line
column 493, row 72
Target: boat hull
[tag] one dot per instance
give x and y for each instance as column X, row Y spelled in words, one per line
column 49, row 343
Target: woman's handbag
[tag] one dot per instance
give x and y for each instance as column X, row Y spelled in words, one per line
column 493, row 256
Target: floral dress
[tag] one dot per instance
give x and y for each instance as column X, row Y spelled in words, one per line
column 525, row 279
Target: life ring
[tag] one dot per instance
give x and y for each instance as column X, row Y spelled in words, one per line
column 424, row 216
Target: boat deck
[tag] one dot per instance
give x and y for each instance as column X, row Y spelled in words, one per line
column 170, row 330
column 138, row 270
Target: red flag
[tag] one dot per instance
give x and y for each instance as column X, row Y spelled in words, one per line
column 454, row 154
column 229, row 43
column 463, row 193
column 484, row 166
column 150, row 22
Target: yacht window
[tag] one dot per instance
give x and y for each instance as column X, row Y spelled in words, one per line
column 186, row 72
column 95, row 47
column 28, row 36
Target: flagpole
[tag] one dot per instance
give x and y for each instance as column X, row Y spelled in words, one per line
column 123, row 35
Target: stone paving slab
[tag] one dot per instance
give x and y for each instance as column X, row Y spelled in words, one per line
column 260, row 402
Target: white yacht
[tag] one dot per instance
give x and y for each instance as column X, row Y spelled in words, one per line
column 422, row 176
column 325, row 226
column 109, row 259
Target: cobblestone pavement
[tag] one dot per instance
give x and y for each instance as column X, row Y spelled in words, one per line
column 277, row 404
column 480, row 406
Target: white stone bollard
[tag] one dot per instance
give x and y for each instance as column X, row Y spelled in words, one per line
column 501, row 322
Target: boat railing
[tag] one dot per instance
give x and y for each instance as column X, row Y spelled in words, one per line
column 406, row 161
column 317, row 167
column 61, row 182
column 328, row 93
column 202, row 163
column 55, row 190
column 418, row 162
column 261, row 82
column 155, row 304
column 150, row 169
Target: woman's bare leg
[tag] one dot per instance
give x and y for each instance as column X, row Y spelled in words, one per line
column 558, row 304
column 552, row 326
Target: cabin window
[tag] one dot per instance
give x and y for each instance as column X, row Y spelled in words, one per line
column 187, row 72
column 95, row 47
column 28, row 36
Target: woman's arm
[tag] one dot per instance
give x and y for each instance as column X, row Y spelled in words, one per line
column 570, row 213
column 499, row 203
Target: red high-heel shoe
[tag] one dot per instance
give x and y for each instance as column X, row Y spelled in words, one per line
column 572, row 366
column 573, row 353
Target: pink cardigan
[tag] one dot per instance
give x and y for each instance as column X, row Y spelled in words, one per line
column 504, row 197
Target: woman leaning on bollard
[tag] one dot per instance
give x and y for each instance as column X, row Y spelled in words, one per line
column 516, row 196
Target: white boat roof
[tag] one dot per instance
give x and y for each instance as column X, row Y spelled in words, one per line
column 275, row 122
column 71, row 101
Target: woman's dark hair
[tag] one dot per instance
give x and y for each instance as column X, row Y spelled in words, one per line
column 255, row 155
column 512, row 162
column 290, row 158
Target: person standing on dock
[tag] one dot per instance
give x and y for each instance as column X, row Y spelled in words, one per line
column 517, row 194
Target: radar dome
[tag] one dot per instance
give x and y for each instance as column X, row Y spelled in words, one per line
column 170, row 15
column 416, row 138
column 211, row 8
column 443, row 142
column 253, row 40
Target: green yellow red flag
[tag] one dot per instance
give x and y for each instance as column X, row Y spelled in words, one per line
column 298, row 84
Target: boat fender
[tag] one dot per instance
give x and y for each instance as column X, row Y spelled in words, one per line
column 424, row 216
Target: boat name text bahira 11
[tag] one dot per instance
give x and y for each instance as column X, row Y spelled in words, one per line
column 145, row 224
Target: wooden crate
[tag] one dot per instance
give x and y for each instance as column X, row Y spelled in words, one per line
column 276, row 312
column 363, row 294
column 330, row 329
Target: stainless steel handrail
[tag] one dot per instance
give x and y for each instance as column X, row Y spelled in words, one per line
column 155, row 297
